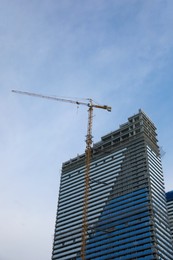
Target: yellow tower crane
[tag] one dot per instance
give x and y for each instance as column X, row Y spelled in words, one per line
column 90, row 106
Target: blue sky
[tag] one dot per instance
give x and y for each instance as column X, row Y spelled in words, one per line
column 117, row 52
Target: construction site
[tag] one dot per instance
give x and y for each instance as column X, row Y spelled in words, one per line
column 111, row 198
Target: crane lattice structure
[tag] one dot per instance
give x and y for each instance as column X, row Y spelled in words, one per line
column 90, row 106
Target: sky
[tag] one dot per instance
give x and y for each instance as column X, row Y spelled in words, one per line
column 117, row 52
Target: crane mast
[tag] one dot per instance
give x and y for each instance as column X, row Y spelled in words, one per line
column 86, row 182
column 88, row 149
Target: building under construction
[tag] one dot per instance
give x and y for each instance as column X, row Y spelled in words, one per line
column 126, row 214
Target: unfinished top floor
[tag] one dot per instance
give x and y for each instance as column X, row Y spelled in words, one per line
column 138, row 123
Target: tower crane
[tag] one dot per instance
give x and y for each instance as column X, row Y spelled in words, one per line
column 90, row 104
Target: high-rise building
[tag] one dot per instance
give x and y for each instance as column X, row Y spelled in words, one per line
column 169, row 199
column 127, row 214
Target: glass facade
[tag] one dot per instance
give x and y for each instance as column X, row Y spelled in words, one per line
column 127, row 212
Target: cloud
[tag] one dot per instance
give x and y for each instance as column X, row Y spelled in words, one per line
column 117, row 52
